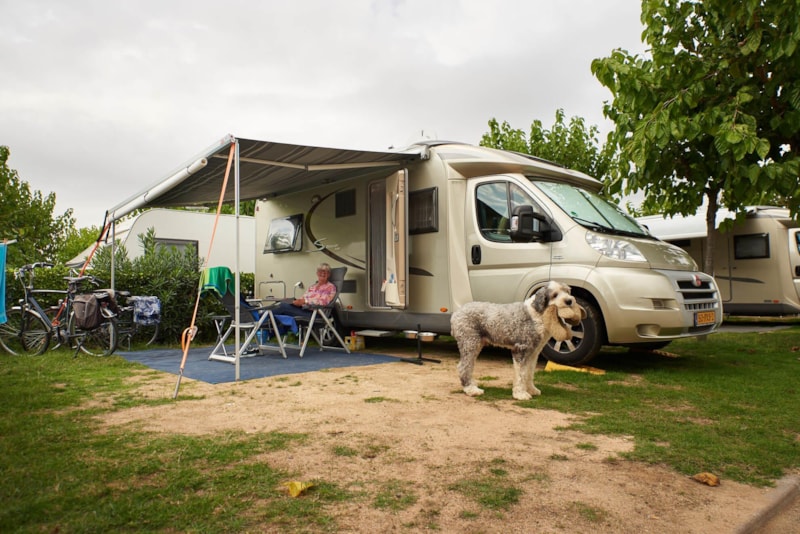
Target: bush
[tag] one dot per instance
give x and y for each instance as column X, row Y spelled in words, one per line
column 171, row 275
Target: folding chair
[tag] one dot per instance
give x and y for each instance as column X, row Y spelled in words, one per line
column 320, row 325
column 217, row 281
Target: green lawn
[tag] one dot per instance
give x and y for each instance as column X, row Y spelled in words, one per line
column 728, row 405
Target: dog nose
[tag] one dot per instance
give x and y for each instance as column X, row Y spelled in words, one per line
column 568, row 302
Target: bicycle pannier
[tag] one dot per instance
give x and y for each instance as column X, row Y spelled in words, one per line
column 87, row 311
column 146, row 310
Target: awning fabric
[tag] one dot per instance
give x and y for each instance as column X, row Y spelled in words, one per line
column 266, row 169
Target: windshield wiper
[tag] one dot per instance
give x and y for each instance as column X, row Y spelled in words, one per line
column 603, row 229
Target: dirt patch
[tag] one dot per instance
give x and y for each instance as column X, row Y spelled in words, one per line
column 410, row 426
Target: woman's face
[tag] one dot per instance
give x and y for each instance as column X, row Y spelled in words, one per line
column 322, row 275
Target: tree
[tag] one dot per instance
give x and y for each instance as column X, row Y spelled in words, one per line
column 77, row 240
column 713, row 114
column 572, row 145
column 27, row 215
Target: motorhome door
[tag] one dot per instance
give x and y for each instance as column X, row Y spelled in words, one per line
column 388, row 238
column 499, row 269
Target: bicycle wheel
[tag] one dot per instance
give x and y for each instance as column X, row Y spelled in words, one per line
column 25, row 333
column 99, row 341
column 10, row 339
column 146, row 334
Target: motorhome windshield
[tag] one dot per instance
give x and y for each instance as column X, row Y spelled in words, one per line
column 590, row 210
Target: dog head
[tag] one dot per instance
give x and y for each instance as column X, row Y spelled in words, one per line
column 559, row 309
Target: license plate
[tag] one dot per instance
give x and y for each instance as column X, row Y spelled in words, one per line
column 705, row 318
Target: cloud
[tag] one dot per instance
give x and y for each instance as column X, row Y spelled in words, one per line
column 101, row 99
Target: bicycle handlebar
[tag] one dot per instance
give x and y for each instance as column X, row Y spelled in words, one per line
column 32, row 266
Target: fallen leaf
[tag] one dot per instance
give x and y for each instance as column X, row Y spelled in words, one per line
column 709, row 479
column 295, row 488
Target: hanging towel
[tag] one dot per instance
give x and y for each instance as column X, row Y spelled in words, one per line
column 218, row 280
column 3, row 317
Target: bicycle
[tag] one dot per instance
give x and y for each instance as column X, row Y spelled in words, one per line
column 138, row 319
column 30, row 330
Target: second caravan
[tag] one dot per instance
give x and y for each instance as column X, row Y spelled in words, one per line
column 464, row 223
column 756, row 262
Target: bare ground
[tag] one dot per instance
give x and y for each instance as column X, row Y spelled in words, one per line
column 411, row 427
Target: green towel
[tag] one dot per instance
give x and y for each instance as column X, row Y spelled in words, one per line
column 218, row 280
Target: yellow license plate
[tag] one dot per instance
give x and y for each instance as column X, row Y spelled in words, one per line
column 705, row 318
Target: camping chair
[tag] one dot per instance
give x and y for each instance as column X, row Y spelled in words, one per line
column 217, row 281
column 320, row 325
column 252, row 319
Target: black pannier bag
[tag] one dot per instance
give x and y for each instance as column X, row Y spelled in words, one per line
column 87, row 311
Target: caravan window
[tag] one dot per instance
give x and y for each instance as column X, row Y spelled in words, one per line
column 752, row 246
column 285, row 234
column 494, row 203
column 177, row 245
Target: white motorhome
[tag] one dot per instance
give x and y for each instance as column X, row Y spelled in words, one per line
column 756, row 263
column 181, row 228
column 463, row 223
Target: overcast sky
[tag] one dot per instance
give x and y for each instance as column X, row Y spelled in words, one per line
column 100, row 99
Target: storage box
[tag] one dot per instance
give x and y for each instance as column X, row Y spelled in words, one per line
column 354, row 342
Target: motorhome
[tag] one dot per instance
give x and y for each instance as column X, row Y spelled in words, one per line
column 756, row 262
column 462, row 223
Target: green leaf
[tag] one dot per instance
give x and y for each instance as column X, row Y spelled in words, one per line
column 733, row 137
column 751, row 43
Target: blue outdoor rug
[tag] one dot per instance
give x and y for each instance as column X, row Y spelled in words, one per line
column 199, row 367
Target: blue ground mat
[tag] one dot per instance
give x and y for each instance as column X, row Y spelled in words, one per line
column 199, row 367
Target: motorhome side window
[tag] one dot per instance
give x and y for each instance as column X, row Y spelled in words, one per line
column 423, row 211
column 494, row 203
column 752, row 246
column 285, row 234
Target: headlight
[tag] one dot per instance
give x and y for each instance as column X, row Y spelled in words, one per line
column 614, row 248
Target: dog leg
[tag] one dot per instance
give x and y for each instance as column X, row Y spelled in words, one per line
column 523, row 381
column 466, row 366
column 530, row 370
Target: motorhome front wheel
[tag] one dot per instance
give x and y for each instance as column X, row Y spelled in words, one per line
column 587, row 339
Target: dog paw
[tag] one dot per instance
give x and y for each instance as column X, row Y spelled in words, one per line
column 521, row 395
column 473, row 391
column 534, row 391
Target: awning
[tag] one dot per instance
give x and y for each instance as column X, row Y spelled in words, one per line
column 266, row 170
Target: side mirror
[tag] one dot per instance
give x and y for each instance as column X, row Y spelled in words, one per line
column 527, row 226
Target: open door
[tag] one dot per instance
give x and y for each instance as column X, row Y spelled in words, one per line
column 394, row 286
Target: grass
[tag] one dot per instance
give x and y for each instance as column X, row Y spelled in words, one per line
column 493, row 490
column 727, row 405
column 61, row 472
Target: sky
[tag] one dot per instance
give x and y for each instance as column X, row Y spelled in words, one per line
column 99, row 99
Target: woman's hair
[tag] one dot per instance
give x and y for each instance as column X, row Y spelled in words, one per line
column 324, row 267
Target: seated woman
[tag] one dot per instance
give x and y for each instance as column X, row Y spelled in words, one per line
column 319, row 294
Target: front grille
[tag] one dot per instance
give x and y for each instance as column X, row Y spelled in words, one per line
column 704, row 297
column 699, row 306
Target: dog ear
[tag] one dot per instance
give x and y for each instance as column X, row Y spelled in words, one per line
column 583, row 313
column 540, row 299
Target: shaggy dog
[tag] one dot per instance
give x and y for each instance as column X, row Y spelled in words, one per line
column 523, row 327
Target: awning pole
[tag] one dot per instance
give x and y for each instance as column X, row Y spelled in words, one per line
column 113, row 252
column 188, row 334
column 236, row 276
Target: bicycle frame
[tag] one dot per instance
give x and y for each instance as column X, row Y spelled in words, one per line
column 37, row 329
